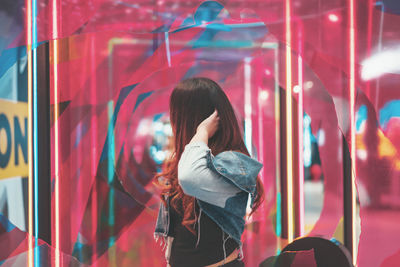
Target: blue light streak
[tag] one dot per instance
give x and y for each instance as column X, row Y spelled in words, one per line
column 110, row 172
column 278, row 215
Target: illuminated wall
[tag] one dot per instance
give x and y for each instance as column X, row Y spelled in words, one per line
column 311, row 82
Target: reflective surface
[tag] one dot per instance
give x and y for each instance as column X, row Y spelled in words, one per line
column 113, row 65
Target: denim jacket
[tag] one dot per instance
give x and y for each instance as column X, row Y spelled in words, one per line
column 221, row 185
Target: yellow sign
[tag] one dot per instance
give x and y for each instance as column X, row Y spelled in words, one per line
column 13, row 139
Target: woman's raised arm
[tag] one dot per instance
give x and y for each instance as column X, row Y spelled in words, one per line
column 198, row 180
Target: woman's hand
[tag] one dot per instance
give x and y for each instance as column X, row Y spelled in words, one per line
column 209, row 125
column 207, row 128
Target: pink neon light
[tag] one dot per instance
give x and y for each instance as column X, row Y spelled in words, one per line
column 352, row 92
column 261, row 143
column 289, row 141
column 300, row 131
column 94, row 148
column 56, row 137
column 30, row 262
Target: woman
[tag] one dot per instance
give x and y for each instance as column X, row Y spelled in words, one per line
column 204, row 197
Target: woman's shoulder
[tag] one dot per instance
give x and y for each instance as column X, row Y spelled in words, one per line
column 234, row 158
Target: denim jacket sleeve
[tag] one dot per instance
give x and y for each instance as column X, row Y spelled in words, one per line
column 215, row 179
column 198, row 180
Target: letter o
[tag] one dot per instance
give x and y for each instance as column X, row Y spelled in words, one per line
column 4, row 124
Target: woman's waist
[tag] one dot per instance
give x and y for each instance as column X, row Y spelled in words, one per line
column 202, row 256
column 203, row 245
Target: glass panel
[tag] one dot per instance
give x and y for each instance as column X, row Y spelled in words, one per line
column 14, row 166
column 112, row 67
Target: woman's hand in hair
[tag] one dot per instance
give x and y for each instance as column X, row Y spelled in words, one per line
column 207, row 128
column 209, row 125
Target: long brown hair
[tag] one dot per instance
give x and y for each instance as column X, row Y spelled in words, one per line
column 192, row 101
